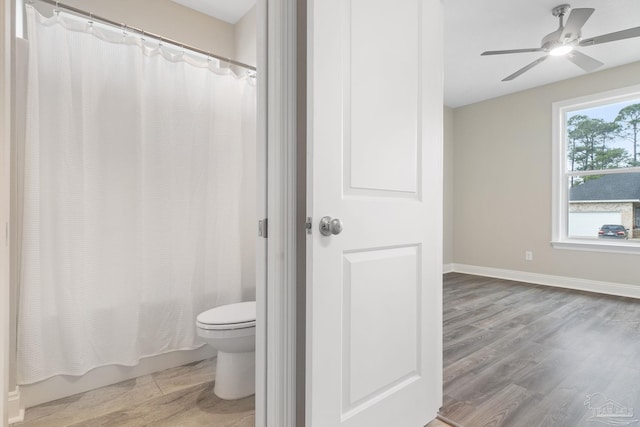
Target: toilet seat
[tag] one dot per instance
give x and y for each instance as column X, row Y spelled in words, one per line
column 231, row 316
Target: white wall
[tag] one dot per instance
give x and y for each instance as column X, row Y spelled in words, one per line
column 502, row 183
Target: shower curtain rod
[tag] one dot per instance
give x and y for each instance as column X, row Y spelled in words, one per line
column 126, row 27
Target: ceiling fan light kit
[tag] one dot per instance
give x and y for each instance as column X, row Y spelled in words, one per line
column 565, row 40
column 560, row 50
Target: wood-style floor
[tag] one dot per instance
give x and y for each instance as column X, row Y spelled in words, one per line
column 515, row 355
column 523, row 355
column 181, row 396
column 177, row 397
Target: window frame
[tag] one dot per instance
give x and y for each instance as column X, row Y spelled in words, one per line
column 560, row 174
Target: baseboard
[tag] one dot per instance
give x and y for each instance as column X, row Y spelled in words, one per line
column 608, row 288
column 15, row 409
column 447, row 268
column 66, row 385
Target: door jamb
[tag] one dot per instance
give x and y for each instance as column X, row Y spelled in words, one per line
column 6, row 67
column 280, row 309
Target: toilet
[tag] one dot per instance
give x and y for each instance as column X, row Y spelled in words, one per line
column 231, row 329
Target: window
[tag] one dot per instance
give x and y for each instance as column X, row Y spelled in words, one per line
column 596, row 172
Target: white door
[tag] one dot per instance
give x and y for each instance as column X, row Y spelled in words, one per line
column 374, row 353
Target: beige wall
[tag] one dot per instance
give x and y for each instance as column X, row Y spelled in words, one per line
column 182, row 24
column 448, row 231
column 502, row 183
column 245, row 38
column 168, row 19
column 245, row 42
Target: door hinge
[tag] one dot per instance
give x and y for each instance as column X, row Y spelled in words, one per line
column 307, row 225
column 263, row 228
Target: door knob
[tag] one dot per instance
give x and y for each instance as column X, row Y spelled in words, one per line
column 329, row 226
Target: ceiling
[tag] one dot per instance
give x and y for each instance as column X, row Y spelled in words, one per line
column 472, row 27
column 226, row 10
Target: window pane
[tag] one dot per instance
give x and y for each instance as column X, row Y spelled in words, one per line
column 605, row 207
column 604, row 137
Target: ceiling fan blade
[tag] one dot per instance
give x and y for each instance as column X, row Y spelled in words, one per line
column 612, row 37
column 501, row 52
column 525, row 68
column 575, row 21
column 583, row 61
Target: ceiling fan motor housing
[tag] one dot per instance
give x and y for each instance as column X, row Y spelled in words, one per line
column 554, row 39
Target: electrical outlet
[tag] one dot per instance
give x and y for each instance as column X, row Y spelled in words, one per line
column 528, row 255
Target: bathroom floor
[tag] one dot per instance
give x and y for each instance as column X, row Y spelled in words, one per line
column 181, row 396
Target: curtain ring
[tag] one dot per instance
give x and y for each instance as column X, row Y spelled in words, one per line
column 90, row 19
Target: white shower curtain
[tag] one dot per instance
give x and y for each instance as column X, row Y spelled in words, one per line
column 133, row 180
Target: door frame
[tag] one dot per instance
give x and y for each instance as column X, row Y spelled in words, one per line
column 278, row 306
column 6, row 77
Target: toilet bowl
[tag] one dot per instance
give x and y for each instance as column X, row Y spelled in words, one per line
column 231, row 329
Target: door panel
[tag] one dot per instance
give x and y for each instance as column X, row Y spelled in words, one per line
column 381, row 294
column 377, row 112
column 375, row 156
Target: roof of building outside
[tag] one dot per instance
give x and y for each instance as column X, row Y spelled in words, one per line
column 619, row 186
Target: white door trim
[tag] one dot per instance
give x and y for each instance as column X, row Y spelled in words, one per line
column 261, row 246
column 6, row 64
column 281, row 243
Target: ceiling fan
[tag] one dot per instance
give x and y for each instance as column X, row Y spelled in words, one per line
column 564, row 40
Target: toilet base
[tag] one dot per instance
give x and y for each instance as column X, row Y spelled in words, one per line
column 235, row 375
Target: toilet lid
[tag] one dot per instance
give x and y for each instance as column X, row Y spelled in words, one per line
column 240, row 315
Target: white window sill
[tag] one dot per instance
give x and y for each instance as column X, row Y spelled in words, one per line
column 621, row 247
